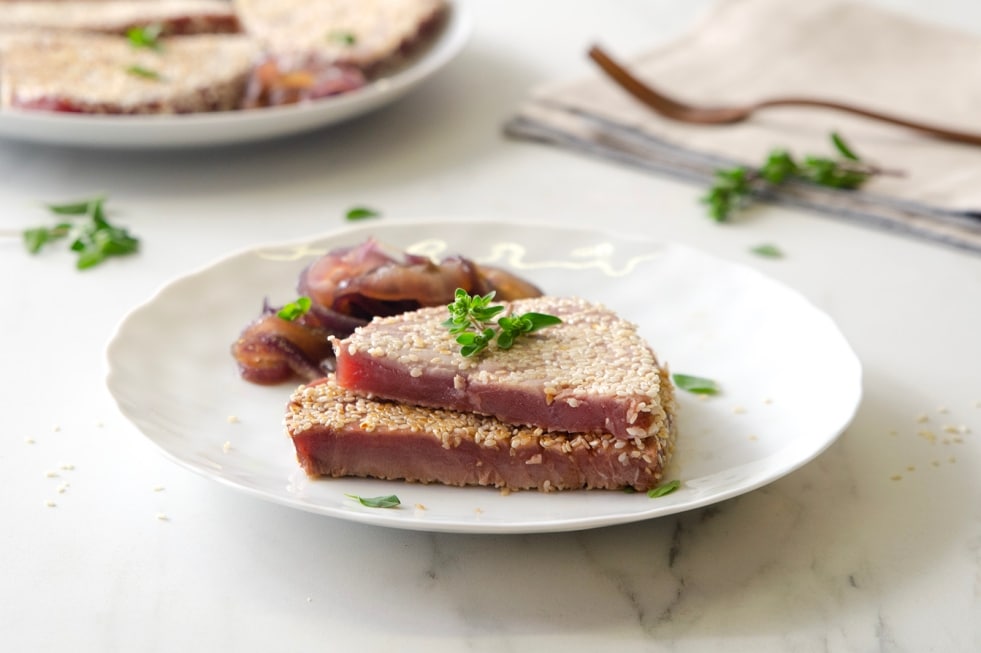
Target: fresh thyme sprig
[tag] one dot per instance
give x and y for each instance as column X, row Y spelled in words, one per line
column 472, row 322
column 93, row 240
column 734, row 188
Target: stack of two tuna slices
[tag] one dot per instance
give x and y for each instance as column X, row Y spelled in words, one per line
column 583, row 404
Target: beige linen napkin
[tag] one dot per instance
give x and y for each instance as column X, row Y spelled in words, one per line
column 745, row 50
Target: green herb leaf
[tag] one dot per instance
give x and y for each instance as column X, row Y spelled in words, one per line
column 666, row 488
column 471, row 321
column 843, row 147
column 145, row 73
column 146, row 37
column 390, row 501
column 730, row 192
column 295, row 309
column 35, row 239
column 778, row 167
column 343, row 37
column 80, row 207
column 93, row 240
column 361, row 212
column 766, row 250
column 695, row 384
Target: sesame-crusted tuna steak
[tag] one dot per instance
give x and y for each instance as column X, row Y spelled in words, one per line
column 339, row 433
column 593, row 373
column 363, row 33
column 98, row 73
column 117, row 16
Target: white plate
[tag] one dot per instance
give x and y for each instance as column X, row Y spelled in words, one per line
column 790, row 381
column 230, row 127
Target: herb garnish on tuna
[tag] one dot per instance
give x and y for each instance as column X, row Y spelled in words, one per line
column 147, row 36
column 342, row 37
column 145, row 73
column 472, row 322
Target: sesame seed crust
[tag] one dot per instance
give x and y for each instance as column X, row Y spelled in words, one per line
column 360, row 32
column 593, row 373
column 339, row 433
column 92, row 73
column 115, row 17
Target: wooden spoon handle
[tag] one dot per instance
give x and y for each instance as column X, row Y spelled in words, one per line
column 971, row 138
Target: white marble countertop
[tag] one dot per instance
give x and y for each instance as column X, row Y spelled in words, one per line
column 873, row 546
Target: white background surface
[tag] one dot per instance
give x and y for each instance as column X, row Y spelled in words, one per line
column 837, row 556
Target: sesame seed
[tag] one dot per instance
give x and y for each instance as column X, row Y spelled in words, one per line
column 232, row 419
column 226, row 447
column 922, row 418
column 158, row 488
column 50, row 504
column 738, row 410
column 29, row 440
column 51, row 474
column 896, row 477
column 162, row 517
column 67, row 466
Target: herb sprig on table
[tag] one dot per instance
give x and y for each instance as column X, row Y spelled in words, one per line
column 472, row 322
column 734, row 188
column 93, row 237
column 361, row 213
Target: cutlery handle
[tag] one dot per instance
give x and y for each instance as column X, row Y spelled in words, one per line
column 971, row 138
